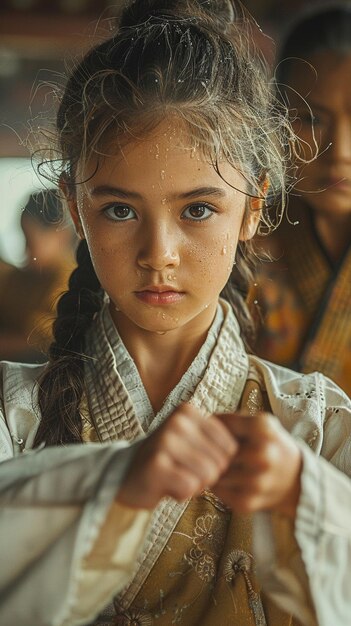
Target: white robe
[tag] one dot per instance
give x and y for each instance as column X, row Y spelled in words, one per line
column 67, row 547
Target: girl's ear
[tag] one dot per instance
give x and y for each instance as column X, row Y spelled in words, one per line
column 253, row 213
column 250, row 224
column 71, row 200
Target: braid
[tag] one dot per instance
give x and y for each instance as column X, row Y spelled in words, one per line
column 236, row 293
column 62, row 384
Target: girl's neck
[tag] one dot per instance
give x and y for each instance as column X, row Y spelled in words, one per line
column 161, row 359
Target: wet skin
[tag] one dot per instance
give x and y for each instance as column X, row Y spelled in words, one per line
column 162, row 228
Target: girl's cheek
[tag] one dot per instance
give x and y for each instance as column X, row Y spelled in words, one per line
column 226, row 247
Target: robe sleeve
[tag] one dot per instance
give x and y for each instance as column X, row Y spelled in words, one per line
column 66, row 546
column 305, row 566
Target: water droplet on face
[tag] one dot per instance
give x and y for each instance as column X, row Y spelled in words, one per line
column 163, row 174
column 164, row 316
column 171, row 277
column 224, row 250
column 34, row 258
column 163, row 201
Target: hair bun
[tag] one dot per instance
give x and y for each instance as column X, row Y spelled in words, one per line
column 140, row 11
column 222, row 9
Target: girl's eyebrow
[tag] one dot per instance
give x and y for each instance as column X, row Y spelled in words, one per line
column 107, row 190
column 203, row 191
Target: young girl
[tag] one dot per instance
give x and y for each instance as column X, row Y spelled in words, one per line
column 200, row 465
column 306, row 295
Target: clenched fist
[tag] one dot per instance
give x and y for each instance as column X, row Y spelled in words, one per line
column 265, row 472
column 183, row 456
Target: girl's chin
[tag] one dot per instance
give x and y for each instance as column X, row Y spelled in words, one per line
column 161, row 329
column 159, row 323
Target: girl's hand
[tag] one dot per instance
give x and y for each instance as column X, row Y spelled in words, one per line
column 265, row 472
column 182, row 457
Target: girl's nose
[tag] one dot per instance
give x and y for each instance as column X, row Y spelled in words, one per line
column 159, row 248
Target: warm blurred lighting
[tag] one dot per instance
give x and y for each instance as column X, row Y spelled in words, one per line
column 73, row 7
column 10, row 63
column 17, row 181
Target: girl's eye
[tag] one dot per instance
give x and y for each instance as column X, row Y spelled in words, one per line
column 120, row 212
column 310, row 119
column 198, row 212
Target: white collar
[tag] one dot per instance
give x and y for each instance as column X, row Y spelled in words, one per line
column 214, row 381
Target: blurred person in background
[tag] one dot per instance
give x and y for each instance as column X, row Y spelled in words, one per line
column 29, row 294
column 304, row 295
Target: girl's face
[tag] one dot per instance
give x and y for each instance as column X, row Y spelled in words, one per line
column 162, row 228
column 328, row 93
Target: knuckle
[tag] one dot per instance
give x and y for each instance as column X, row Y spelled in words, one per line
column 220, row 436
column 272, row 453
column 258, row 483
column 262, row 460
column 186, row 486
column 188, row 410
column 180, row 423
column 266, row 454
column 246, row 504
column 224, row 462
column 160, row 461
column 207, row 471
column 213, row 472
column 166, row 440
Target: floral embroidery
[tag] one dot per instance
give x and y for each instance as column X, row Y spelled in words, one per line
column 207, row 546
column 206, row 533
column 240, row 562
column 203, row 564
column 133, row 617
column 237, row 561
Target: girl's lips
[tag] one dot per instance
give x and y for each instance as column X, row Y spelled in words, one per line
column 159, row 297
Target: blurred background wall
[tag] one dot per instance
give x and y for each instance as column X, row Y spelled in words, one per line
column 38, row 38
